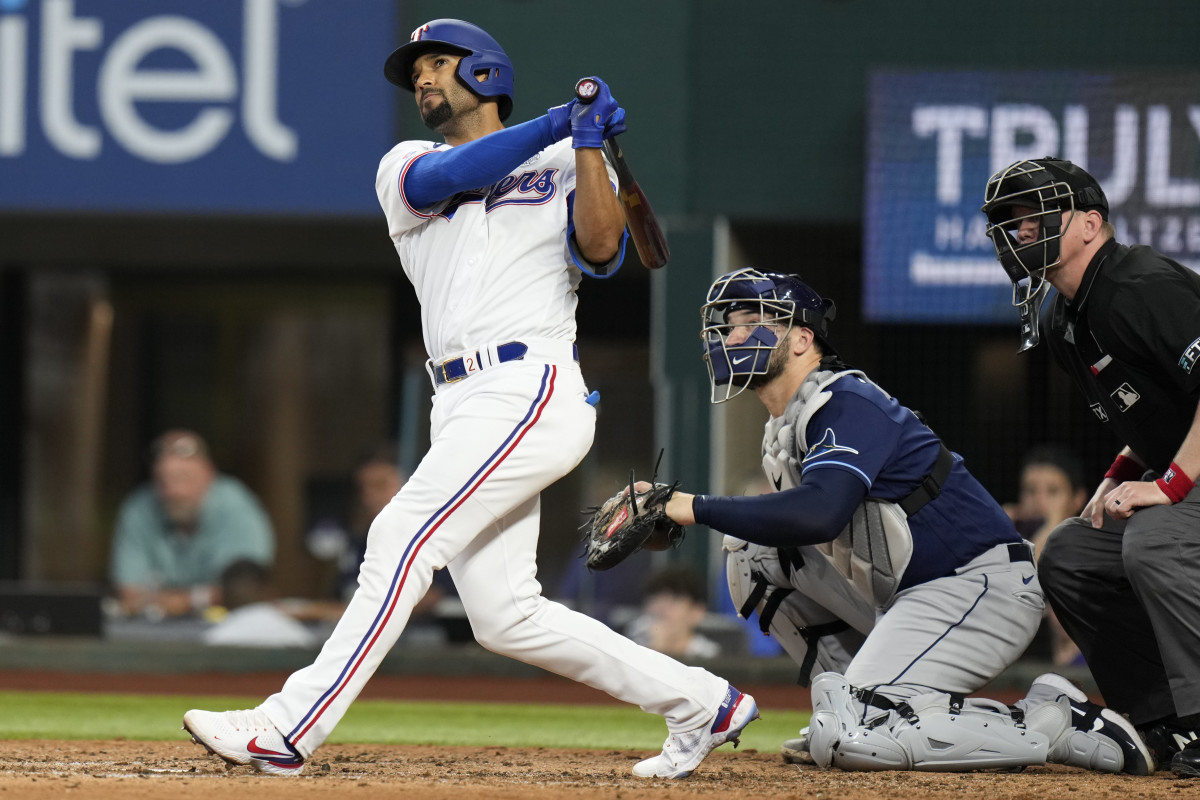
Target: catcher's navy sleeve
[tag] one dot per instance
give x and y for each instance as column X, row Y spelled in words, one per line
column 812, row 513
column 443, row 173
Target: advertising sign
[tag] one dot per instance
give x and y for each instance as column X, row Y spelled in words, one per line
column 934, row 139
column 227, row 106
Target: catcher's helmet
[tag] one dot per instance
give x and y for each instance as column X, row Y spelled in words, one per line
column 480, row 52
column 1042, row 190
column 769, row 296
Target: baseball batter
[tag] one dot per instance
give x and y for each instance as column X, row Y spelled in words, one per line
column 886, row 570
column 494, row 227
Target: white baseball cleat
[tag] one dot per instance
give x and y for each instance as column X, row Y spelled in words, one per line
column 244, row 737
column 683, row 752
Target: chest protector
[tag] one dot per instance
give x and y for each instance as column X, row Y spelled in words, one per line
column 874, row 549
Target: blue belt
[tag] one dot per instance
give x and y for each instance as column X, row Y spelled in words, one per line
column 455, row 369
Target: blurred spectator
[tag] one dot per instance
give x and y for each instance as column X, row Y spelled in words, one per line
column 675, row 604
column 252, row 619
column 176, row 534
column 377, row 479
column 1051, row 490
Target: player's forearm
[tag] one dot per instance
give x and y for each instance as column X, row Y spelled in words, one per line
column 440, row 174
column 807, row 514
column 164, row 602
column 599, row 220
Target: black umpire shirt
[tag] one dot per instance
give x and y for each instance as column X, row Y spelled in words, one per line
column 1131, row 340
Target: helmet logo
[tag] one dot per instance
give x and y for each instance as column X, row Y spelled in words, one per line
column 419, row 33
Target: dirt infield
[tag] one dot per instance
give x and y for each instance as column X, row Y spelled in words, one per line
column 182, row 771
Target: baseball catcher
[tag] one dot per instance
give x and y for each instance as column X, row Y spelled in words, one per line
column 876, row 524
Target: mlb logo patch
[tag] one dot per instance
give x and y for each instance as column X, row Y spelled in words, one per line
column 1190, row 356
column 1125, row 397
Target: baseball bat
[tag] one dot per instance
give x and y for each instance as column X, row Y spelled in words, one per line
column 644, row 229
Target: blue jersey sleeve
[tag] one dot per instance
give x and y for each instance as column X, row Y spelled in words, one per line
column 851, row 433
column 812, row 513
column 443, row 173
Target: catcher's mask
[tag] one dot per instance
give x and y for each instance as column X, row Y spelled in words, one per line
column 773, row 304
column 1025, row 194
column 481, row 55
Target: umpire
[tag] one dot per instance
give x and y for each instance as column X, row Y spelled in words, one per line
column 1125, row 324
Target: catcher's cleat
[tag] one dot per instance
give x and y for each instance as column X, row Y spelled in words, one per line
column 683, row 752
column 1092, row 717
column 796, row 751
column 244, row 737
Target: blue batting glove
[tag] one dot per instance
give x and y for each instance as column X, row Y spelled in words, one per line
column 616, row 124
column 589, row 121
column 560, row 119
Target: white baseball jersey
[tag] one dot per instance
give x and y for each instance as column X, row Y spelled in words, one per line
column 490, row 264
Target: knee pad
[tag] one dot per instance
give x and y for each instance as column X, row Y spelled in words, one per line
column 835, row 713
column 979, row 735
column 870, row 749
column 927, row 736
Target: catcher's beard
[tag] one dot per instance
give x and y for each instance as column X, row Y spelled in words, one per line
column 775, row 365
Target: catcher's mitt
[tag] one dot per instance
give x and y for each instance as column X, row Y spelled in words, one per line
column 628, row 522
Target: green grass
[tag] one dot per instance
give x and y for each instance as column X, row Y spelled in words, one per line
column 56, row 715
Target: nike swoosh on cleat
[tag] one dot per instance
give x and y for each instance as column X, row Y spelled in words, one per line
column 258, row 751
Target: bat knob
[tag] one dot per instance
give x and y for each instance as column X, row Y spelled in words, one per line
column 586, row 90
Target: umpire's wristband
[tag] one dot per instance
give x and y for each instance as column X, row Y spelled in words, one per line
column 1124, row 469
column 1175, row 483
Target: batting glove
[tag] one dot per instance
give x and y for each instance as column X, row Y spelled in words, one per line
column 590, row 121
column 615, row 125
column 560, row 119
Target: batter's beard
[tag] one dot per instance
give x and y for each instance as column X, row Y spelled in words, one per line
column 438, row 116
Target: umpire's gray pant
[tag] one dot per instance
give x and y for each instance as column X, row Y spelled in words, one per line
column 1129, row 595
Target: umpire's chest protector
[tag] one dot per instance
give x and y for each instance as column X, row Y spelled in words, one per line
column 874, row 549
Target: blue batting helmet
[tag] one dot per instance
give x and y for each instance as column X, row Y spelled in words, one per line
column 481, row 54
column 784, row 299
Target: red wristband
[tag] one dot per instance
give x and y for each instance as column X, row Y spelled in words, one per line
column 1124, row 469
column 1175, row 483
